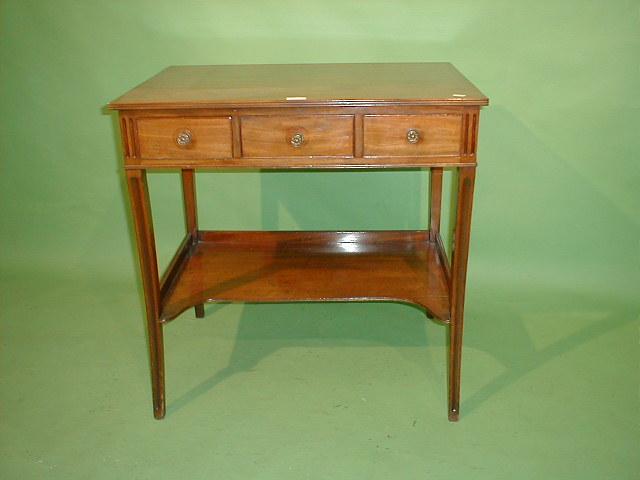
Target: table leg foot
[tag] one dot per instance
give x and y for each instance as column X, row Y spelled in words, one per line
column 455, row 358
column 159, row 411
column 454, row 415
column 199, row 311
column 156, row 351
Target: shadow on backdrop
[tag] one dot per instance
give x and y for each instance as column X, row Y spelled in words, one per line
column 398, row 200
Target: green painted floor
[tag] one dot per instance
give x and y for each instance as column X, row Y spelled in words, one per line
column 313, row 391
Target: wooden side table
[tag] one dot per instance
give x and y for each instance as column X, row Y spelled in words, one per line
column 333, row 116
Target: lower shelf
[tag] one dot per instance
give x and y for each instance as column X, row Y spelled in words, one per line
column 265, row 266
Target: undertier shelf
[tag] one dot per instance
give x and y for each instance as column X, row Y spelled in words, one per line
column 263, row 266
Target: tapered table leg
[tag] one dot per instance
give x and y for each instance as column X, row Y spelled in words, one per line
column 191, row 213
column 141, row 212
column 466, row 179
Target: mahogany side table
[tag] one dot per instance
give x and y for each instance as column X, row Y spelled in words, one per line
column 323, row 116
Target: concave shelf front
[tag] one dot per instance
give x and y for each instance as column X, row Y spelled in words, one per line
column 247, row 266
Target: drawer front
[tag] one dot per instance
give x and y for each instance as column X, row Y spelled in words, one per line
column 297, row 136
column 412, row 135
column 184, row 137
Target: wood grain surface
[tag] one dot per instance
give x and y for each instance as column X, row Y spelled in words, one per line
column 304, row 84
column 210, row 137
column 386, row 135
column 310, row 266
column 270, row 136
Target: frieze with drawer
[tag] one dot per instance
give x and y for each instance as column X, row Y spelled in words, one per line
column 306, row 138
column 338, row 116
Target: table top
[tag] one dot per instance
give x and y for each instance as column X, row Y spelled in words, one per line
column 354, row 84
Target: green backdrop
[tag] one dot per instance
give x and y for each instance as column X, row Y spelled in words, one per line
column 555, row 252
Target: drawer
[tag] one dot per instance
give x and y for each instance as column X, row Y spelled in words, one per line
column 184, row 137
column 412, row 135
column 297, row 136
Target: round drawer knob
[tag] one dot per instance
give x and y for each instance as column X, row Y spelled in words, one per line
column 184, row 138
column 413, row 135
column 297, row 139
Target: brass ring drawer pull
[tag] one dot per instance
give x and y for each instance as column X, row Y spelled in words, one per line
column 297, row 140
column 184, row 138
column 413, row 135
